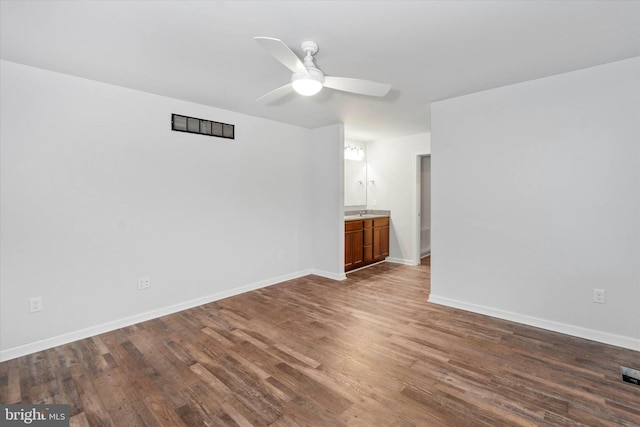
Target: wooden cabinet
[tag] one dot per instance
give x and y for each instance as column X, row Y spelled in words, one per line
column 353, row 245
column 367, row 244
column 380, row 238
column 365, row 241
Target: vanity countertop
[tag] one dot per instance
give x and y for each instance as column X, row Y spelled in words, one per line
column 366, row 216
column 353, row 216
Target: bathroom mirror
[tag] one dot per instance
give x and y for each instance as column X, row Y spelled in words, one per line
column 355, row 174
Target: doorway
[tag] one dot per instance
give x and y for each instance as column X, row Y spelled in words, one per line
column 425, row 206
column 422, row 211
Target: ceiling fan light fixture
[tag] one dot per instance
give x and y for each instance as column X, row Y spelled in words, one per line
column 307, row 85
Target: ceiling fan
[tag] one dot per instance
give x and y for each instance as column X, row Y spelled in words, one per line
column 307, row 79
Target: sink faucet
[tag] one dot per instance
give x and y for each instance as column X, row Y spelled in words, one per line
column 363, row 213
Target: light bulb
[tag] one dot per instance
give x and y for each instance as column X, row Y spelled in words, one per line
column 307, row 86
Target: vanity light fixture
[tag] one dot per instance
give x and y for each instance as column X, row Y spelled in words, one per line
column 353, row 153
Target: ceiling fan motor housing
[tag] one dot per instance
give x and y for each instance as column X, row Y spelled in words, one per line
column 314, row 74
column 309, row 47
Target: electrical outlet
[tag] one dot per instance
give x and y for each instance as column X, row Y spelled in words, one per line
column 599, row 296
column 35, row 304
column 280, row 254
column 144, row 283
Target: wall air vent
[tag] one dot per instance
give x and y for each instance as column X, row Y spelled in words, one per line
column 630, row 375
column 202, row 127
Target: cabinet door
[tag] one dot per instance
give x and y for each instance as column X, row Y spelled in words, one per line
column 357, row 249
column 353, row 245
column 384, row 241
column 348, row 251
column 377, row 251
column 380, row 238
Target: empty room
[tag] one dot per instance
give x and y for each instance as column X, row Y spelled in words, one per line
column 319, row 213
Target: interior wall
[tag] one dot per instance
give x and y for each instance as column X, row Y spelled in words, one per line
column 97, row 191
column 327, row 171
column 536, row 202
column 391, row 167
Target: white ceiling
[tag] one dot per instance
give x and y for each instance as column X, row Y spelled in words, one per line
column 204, row 52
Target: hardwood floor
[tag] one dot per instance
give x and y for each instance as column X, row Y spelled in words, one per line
column 367, row 351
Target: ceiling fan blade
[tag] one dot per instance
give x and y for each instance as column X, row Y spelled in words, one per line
column 282, row 53
column 276, row 94
column 363, row 87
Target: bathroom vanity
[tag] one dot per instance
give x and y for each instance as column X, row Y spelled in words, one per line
column 366, row 239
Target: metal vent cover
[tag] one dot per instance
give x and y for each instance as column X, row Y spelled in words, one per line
column 188, row 124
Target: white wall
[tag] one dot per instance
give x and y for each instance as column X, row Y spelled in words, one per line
column 327, row 152
column 96, row 191
column 536, row 202
column 393, row 165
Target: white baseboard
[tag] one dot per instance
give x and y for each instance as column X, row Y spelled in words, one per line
column 47, row 343
column 328, row 275
column 400, row 261
column 577, row 331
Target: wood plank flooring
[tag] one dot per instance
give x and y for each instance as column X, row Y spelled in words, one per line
column 367, row 351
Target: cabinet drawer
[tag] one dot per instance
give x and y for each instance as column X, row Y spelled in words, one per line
column 353, row 225
column 368, row 223
column 380, row 222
